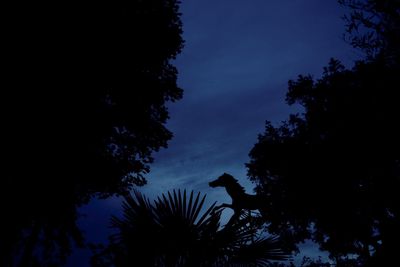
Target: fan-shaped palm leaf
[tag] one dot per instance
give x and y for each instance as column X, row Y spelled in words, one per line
column 173, row 231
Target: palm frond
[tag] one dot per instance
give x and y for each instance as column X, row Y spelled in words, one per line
column 244, row 245
column 137, row 211
column 260, row 252
column 174, row 230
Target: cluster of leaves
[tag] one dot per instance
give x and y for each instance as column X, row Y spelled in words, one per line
column 332, row 173
column 174, row 232
column 373, row 26
column 83, row 110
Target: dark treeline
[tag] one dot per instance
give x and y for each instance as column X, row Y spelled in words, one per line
column 83, row 108
column 332, row 173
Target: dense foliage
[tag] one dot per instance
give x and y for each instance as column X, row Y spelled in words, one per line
column 332, row 173
column 82, row 112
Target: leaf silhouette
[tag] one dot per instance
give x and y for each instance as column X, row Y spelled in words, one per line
column 176, row 230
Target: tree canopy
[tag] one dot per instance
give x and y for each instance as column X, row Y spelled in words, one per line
column 84, row 107
column 332, row 173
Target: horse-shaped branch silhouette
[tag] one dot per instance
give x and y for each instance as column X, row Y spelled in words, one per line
column 240, row 200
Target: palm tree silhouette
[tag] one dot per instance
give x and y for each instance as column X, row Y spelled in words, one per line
column 173, row 231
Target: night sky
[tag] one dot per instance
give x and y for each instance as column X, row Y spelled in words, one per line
column 234, row 69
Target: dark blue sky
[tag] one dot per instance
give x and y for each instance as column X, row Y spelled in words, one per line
column 234, row 70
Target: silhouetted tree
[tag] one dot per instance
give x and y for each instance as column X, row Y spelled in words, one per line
column 175, row 232
column 332, row 173
column 82, row 112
